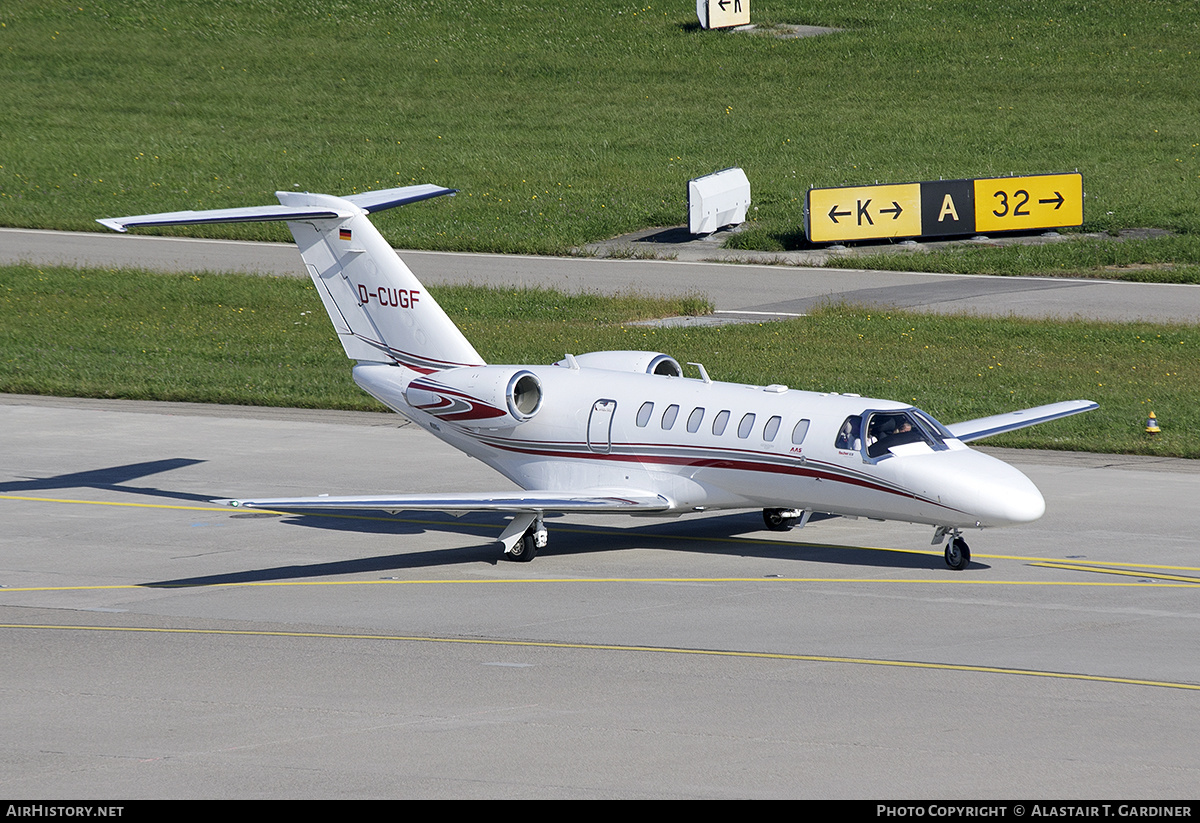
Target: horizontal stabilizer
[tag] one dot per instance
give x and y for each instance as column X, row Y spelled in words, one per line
column 249, row 214
column 1000, row 423
column 373, row 201
column 587, row 500
column 368, row 202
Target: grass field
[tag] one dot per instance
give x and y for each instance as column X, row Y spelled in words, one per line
column 267, row 341
column 1140, row 260
column 563, row 124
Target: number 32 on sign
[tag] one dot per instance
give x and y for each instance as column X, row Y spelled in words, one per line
column 1017, row 203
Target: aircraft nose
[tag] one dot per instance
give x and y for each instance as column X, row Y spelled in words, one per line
column 1001, row 495
column 986, row 491
column 1018, row 501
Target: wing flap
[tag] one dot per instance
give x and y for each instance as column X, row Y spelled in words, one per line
column 1000, row 423
column 588, row 500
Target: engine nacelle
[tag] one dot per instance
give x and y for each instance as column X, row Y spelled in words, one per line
column 492, row 397
column 642, row 362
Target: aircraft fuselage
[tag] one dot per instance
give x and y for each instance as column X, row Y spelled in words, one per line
column 713, row 445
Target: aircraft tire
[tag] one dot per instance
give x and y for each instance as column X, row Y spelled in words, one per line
column 776, row 522
column 958, row 554
column 525, row 549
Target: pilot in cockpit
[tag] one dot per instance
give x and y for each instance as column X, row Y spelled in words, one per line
column 887, row 431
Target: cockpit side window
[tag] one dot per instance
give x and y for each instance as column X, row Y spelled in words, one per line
column 847, row 437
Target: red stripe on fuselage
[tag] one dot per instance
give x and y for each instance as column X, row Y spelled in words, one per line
column 734, row 464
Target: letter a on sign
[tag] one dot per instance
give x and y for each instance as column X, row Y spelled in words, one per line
column 948, row 209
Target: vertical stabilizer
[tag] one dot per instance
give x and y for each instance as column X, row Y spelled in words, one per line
column 380, row 310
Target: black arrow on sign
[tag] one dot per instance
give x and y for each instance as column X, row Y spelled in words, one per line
column 723, row 4
column 1057, row 200
column 894, row 212
column 834, row 214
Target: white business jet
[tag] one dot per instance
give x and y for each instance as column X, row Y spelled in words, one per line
column 625, row 431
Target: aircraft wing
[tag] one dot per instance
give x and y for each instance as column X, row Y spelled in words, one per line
column 1000, row 423
column 586, row 500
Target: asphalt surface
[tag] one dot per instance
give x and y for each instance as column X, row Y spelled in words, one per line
column 745, row 291
column 158, row 646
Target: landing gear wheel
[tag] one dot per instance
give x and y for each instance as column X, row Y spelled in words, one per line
column 524, row 549
column 958, row 553
column 776, row 522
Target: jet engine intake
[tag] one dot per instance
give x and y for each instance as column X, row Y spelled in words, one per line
column 491, row 397
column 642, row 362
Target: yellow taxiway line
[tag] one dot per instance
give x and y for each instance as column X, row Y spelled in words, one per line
column 725, row 653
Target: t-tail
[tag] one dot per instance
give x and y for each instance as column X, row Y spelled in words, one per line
column 380, row 310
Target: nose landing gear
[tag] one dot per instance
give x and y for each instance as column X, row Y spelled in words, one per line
column 958, row 553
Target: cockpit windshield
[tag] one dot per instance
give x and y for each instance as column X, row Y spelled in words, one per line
column 887, row 431
column 926, row 418
column 882, row 433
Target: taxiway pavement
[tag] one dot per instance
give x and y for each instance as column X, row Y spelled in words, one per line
column 159, row 646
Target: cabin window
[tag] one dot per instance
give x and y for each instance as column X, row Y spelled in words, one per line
column 643, row 415
column 695, row 419
column 720, row 422
column 799, row 432
column 668, row 418
column 746, row 425
column 772, row 428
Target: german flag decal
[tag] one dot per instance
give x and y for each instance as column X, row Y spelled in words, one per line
column 344, row 234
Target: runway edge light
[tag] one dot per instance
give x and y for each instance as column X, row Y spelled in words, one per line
column 1152, row 425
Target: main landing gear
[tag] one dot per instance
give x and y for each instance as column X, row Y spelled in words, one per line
column 776, row 521
column 783, row 520
column 524, row 535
